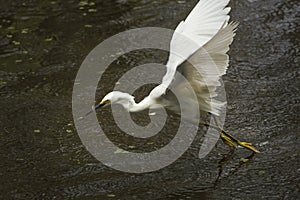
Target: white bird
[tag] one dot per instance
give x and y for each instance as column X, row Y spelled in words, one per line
column 208, row 26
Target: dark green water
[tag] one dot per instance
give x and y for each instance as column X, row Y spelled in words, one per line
column 42, row 45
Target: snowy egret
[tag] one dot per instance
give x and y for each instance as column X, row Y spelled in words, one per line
column 208, row 26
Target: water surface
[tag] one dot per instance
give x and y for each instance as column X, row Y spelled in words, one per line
column 42, row 45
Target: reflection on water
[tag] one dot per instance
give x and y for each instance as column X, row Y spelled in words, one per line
column 42, row 44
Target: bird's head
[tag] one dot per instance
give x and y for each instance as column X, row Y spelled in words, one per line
column 115, row 97
column 107, row 100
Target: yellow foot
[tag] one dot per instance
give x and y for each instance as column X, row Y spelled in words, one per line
column 227, row 140
column 248, row 146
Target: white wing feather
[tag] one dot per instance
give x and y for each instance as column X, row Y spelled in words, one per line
column 205, row 67
column 201, row 25
column 202, row 72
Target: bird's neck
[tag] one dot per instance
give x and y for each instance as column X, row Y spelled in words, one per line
column 143, row 105
column 131, row 106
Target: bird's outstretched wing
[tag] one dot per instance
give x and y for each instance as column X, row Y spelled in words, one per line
column 205, row 67
column 202, row 24
column 202, row 72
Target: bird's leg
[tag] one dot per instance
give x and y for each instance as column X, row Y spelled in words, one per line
column 226, row 138
column 230, row 140
column 246, row 145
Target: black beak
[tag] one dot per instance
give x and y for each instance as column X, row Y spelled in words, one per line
column 100, row 105
column 95, row 108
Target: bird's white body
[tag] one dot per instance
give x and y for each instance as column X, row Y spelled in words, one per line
column 203, row 39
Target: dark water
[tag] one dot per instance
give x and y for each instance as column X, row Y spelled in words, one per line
column 42, row 45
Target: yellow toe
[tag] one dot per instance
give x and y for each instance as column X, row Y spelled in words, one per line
column 248, row 146
column 227, row 140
